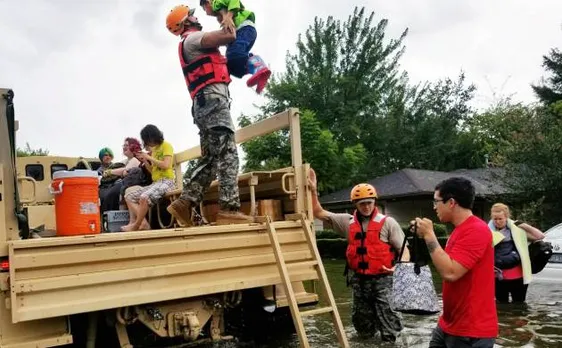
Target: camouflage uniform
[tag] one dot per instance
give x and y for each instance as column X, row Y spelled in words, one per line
column 371, row 311
column 211, row 114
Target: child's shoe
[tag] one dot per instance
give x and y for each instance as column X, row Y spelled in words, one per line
column 259, row 71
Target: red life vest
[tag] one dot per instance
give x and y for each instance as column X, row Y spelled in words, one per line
column 366, row 253
column 205, row 70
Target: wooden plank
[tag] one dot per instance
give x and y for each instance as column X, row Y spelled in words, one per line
column 317, row 311
column 143, row 273
column 302, row 298
column 83, row 268
column 89, row 274
column 325, row 284
column 179, row 176
column 186, row 232
column 46, row 257
column 296, row 158
column 286, row 281
column 80, row 300
column 269, row 125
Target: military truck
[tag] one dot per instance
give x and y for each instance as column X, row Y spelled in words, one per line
column 169, row 285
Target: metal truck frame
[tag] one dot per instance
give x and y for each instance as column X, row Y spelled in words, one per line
column 177, row 282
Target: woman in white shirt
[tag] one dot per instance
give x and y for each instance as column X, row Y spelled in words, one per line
column 131, row 146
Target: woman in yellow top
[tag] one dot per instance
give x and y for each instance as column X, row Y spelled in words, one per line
column 511, row 254
column 160, row 165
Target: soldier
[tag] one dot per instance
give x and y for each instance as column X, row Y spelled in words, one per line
column 207, row 79
column 374, row 240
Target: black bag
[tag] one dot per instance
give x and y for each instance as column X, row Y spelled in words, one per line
column 539, row 252
column 413, row 291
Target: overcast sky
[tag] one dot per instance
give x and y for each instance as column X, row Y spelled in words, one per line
column 88, row 73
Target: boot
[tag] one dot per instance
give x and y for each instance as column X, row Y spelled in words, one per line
column 259, row 71
column 226, row 217
column 181, row 210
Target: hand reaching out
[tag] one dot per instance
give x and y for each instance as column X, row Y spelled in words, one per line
column 312, row 181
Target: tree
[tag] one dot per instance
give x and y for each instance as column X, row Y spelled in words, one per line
column 535, row 162
column 550, row 91
column 422, row 128
column 335, row 166
column 342, row 71
column 496, row 130
column 28, row 151
column 525, row 140
column 347, row 75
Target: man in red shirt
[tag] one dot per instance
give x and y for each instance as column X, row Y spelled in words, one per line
column 466, row 266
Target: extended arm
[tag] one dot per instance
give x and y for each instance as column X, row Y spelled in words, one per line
column 533, row 233
column 449, row 269
column 217, row 38
column 317, row 209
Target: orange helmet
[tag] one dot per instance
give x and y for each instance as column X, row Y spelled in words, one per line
column 177, row 18
column 363, row 191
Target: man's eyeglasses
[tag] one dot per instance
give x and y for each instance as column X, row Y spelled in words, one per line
column 435, row 201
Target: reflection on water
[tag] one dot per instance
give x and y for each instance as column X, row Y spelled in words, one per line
column 537, row 324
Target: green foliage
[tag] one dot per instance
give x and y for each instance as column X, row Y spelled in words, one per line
column 497, row 130
column 328, row 234
column 422, row 129
column 360, row 117
column 535, row 164
column 441, row 230
column 342, row 71
column 550, row 91
column 332, row 163
column 525, row 140
column 28, row 151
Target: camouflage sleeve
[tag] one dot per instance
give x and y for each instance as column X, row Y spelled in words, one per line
column 340, row 223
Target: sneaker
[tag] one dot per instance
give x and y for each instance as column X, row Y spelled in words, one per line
column 258, row 69
column 225, row 217
column 181, row 210
column 262, row 82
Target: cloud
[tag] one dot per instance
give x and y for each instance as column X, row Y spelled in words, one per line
column 88, row 73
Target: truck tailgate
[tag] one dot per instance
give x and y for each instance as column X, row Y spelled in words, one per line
column 59, row 276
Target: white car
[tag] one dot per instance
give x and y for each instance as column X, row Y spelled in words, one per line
column 553, row 270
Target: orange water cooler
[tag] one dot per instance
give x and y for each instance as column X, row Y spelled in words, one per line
column 76, row 202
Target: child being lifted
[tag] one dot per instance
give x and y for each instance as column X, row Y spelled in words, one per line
column 234, row 17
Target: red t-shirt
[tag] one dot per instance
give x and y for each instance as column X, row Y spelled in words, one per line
column 469, row 306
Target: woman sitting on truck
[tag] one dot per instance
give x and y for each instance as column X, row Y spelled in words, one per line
column 160, row 165
column 112, row 196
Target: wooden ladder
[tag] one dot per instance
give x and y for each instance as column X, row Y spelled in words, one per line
column 316, row 262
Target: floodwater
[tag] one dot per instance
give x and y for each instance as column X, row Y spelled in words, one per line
column 537, row 324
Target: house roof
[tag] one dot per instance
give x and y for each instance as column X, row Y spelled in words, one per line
column 418, row 182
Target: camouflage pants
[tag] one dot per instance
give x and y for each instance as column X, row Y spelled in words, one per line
column 219, row 156
column 371, row 310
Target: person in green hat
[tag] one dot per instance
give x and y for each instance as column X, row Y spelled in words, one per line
column 106, row 158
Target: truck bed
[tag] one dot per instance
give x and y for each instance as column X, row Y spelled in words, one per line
column 59, row 276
